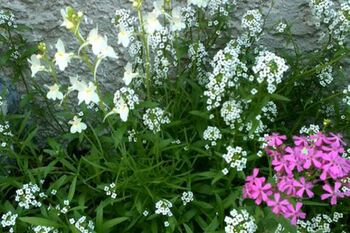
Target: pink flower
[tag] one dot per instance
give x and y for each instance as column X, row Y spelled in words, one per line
column 332, row 193
column 275, row 139
column 260, row 191
column 320, row 139
column 334, row 166
column 293, row 157
column 311, row 157
column 300, row 140
column 282, row 165
column 286, row 184
column 335, row 140
column 278, row 205
column 294, row 213
column 303, row 186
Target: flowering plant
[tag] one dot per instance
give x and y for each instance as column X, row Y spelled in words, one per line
column 167, row 147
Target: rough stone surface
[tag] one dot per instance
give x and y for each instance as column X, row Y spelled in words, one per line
column 44, row 19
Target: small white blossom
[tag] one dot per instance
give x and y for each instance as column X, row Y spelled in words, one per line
column 61, row 57
column 35, row 64
column 54, row 92
column 77, row 125
column 129, row 75
column 187, row 197
column 163, row 207
column 154, row 118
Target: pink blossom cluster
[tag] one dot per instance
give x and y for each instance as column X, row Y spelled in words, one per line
column 314, row 160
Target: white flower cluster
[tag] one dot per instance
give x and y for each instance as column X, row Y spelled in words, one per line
column 199, row 59
column 5, row 133
column 154, row 118
column 231, row 112
column 9, row 220
column 279, row 229
column 212, row 134
column 346, row 99
column 319, row 223
column 187, row 197
column 236, row 157
column 124, row 101
column 27, row 196
column 220, row 6
column 312, row 129
column 161, row 44
column 281, row 27
column 132, row 135
column 270, row 68
column 270, row 111
column 44, row 229
column 65, row 207
column 190, row 16
column 253, row 21
column 240, row 221
column 7, row 19
column 227, row 71
column 110, row 190
column 127, row 95
column 325, row 76
column 337, row 22
column 163, row 207
column 83, row 225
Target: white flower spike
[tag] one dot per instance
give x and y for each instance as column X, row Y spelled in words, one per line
column 129, row 75
column 61, row 57
column 152, row 23
column 35, row 64
column 54, row 92
column 77, row 125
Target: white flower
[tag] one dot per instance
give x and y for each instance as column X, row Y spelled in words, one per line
column 35, row 64
column 54, row 92
column 61, row 57
column 77, row 125
column 152, row 23
column 66, row 23
column 97, row 41
column 124, row 36
column 129, row 75
column 122, row 109
column 87, row 93
column 177, row 21
column 107, row 51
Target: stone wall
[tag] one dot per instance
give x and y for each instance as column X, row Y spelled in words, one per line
column 44, row 19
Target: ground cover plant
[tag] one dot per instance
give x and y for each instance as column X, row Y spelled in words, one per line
column 205, row 130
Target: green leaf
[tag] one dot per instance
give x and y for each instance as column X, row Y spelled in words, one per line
column 187, row 228
column 113, row 222
column 200, row 114
column 279, row 97
column 40, row 221
column 72, row 189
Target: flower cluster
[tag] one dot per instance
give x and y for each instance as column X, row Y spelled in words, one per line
column 231, row 112
column 236, row 157
column 187, row 197
column 270, row 68
column 110, row 190
column 28, row 195
column 163, row 207
column 325, row 76
column 309, row 130
column 281, row 27
column 240, row 221
column 7, row 19
column 319, row 223
column 6, row 134
column 212, row 134
column 154, row 118
column 313, row 161
column 124, row 100
column 252, row 21
column 9, row 220
column 346, row 98
column 82, row 225
column 199, row 59
column 44, row 229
